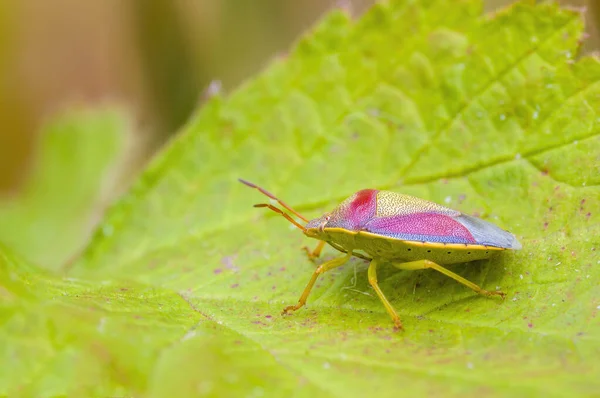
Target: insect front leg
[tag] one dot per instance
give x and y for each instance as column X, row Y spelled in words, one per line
column 372, row 273
column 336, row 262
column 312, row 255
column 424, row 264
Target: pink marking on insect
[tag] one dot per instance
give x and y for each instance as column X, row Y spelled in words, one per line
column 421, row 224
column 362, row 208
column 363, row 198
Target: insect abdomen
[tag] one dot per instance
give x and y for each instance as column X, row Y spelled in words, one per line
column 394, row 250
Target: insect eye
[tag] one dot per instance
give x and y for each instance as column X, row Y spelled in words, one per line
column 325, row 220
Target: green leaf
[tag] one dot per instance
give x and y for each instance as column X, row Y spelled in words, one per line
column 68, row 336
column 489, row 115
column 51, row 219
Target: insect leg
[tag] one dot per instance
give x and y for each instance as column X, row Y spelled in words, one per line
column 336, row 262
column 372, row 273
column 424, row 264
column 316, row 252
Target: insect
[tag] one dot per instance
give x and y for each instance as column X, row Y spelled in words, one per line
column 404, row 231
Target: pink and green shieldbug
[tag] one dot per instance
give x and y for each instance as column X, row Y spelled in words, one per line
column 404, row 231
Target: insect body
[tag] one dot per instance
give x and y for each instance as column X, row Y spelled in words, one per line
column 402, row 230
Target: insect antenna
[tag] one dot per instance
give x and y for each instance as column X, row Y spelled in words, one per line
column 270, row 195
column 277, row 210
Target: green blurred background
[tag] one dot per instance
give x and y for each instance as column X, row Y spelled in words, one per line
column 154, row 59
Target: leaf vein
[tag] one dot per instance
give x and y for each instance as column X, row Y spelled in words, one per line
column 479, row 93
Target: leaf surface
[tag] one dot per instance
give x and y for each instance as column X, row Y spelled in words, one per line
column 490, row 115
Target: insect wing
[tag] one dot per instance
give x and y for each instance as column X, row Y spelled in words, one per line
column 413, row 219
column 423, row 227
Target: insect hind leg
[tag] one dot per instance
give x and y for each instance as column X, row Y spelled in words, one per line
column 425, row 264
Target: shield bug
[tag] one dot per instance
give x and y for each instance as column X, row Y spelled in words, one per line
column 404, row 231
